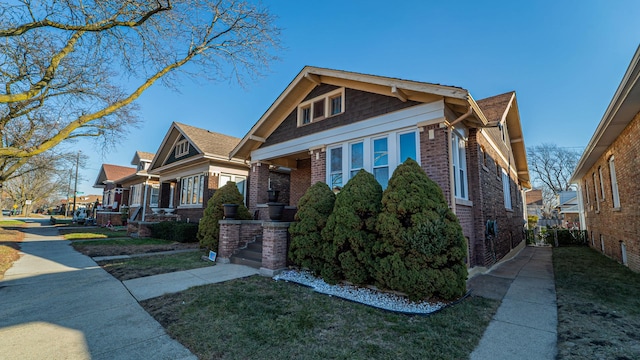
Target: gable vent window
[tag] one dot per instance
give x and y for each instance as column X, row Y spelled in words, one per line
column 321, row 107
column 182, row 148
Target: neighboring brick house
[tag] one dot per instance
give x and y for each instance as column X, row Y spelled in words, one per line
column 534, row 203
column 607, row 175
column 114, row 194
column 327, row 124
column 144, row 188
column 191, row 164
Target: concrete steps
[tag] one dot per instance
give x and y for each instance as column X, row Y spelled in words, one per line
column 251, row 255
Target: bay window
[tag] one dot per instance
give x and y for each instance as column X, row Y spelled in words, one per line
column 192, row 190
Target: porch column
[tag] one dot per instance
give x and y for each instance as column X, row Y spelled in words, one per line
column 228, row 240
column 258, row 185
column 275, row 236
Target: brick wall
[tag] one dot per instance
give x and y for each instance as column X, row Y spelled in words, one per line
column 300, row 180
column 466, row 218
column 318, row 166
column 616, row 226
column 192, row 215
column 258, row 186
column 275, row 238
column 104, row 217
column 434, row 157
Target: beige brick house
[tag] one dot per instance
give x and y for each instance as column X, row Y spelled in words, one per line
column 328, row 124
column 607, row 175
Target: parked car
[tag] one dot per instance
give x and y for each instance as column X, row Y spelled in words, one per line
column 80, row 216
column 6, row 212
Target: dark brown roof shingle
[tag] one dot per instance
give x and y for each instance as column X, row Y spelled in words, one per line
column 209, row 142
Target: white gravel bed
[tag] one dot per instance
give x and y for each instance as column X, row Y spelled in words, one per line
column 365, row 296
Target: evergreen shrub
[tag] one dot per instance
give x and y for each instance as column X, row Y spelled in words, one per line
column 421, row 249
column 209, row 229
column 351, row 228
column 307, row 246
column 175, row 231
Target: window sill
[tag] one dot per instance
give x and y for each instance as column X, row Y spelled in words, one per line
column 198, row 206
column 464, row 202
column 617, row 209
column 508, row 210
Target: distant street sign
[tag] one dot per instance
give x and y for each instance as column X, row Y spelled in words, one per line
column 15, row 206
column 79, row 192
column 27, row 202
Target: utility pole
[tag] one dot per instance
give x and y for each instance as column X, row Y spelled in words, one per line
column 75, row 185
column 66, row 203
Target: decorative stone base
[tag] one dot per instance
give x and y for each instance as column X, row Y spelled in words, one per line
column 269, row 272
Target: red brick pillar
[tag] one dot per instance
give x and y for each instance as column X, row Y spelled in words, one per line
column 229, row 240
column 258, row 185
column 318, row 166
column 274, row 247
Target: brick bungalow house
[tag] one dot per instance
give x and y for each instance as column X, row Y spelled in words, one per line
column 144, row 188
column 327, row 124
column 191, row 163
column 114, row 194
column 607, row 175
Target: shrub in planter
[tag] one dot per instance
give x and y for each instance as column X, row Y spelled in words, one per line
column 421, row 248
column 351, row 228
column 209, row 229
column 307, row 246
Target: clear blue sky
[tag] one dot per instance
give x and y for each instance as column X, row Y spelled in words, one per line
column 564, row 59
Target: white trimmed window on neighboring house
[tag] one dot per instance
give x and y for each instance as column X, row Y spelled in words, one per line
column 240, row 180
column 182, row 148
column 154, row 197
column 321, row 107
column 379, row 155
column 191, row 190
column 136, row 195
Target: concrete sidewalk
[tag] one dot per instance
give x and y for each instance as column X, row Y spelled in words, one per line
column 525, row 325
column 56, row 303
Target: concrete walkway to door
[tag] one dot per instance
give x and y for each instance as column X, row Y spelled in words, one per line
column 56, row 303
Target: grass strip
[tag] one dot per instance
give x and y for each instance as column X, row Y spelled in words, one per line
column 122, row 241
column 94, row 233
column 125, row 269
column 257, row 317
column 12, row 223
column 598, row 306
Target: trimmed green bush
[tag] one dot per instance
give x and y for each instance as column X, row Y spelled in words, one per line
column 307, row 246
column 175, row 231
column 209, row 229
column 351, row 230
column 421, row 248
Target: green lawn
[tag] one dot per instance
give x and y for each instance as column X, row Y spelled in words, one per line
column 125, row 269
column 120, row 241
column 598, row 306
column 259, row 318
column 11, row 223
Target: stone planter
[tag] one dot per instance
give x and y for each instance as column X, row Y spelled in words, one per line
column 275, row 211
column 230, row 211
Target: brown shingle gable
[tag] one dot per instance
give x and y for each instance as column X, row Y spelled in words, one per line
column 494, row 107
column 145, row 155
column 209, row 142
column 114, row 172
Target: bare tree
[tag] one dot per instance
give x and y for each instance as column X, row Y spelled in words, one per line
column 73, row 68
column 42, row 179
column 551, row 167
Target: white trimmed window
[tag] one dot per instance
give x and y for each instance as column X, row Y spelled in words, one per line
column 241, row 182
column 321, row 107
column 506, row 189
column 595, row 192
column 134, row 198
column 379, row 155
column 182, row 148
column 614, row 183
column 601, row 183
column 154, row 199
column 191, row 190
column 458, row 147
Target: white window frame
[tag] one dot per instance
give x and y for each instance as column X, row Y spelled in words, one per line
column 595, row 191
column 327, row 111
column 602, row 197
column 234, row 178
column 188, row 190
column 460, row 177
column 614, row 183
column 182, row 148
column 506, row 190
column 135, row 196
column 151, row 191
column 393, row 153
column 373, row 155
column 354, row 170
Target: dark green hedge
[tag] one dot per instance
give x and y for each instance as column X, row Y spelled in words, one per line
column 175, row 231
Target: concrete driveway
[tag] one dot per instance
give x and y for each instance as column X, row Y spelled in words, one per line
column 56, row 303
